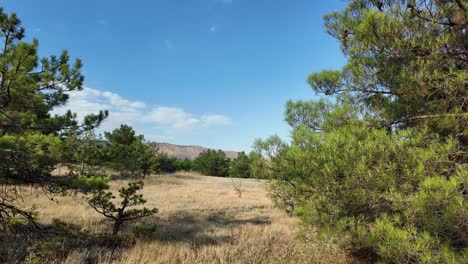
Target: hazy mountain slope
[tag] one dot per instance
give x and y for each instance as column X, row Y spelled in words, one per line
column 190, row 152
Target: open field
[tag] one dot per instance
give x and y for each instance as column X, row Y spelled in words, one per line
column 200, row 220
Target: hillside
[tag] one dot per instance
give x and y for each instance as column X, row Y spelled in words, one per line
column 190, row 152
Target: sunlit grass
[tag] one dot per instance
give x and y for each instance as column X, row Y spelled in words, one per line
column 201, row 220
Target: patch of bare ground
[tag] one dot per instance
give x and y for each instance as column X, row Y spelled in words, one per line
column 201, row 220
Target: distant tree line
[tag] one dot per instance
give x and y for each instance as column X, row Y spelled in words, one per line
column 209, row 162
column 129, row 155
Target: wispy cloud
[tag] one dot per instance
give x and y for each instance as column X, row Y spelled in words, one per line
column 173, row 117
column 120, row 102
column 168, row 119
column 210, row 120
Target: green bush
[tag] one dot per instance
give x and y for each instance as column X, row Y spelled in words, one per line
column 126, row 152
column 183, row 164
column 168, row 164
column 395, row 195
column 240, row 167
column 129, row 208
column 212, row 163
column 385, row 165
column 165, row 163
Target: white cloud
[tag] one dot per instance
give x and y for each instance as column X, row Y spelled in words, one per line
column 118, row 101
column 170, row 120
column 177, row 119
column 174, row 117
column 211, row 120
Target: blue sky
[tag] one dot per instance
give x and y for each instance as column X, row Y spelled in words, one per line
column 215, row 73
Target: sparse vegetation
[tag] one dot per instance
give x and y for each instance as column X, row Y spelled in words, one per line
column 200, row 220
column 237, row 184
column 102, row 202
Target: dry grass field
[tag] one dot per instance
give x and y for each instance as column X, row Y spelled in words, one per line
column 200, row 220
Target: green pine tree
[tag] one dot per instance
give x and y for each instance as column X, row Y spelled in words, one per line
column 383, row 164
column 31, row 137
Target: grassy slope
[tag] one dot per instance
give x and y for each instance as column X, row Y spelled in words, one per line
column 200, row 220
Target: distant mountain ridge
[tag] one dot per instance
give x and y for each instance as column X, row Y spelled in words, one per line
column 189, row 152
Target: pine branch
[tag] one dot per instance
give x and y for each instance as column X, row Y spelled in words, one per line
column 421, row 117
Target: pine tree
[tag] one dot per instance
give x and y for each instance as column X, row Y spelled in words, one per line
column 128, row 153
column 383, row 164
column 102, row 202
column 212, row 163
column 30, row 137
column 240, row 167
column 407, row 63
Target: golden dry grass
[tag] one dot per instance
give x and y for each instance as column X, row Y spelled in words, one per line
column 201, row 220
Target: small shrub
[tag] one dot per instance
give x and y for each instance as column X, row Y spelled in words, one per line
column 102, row 202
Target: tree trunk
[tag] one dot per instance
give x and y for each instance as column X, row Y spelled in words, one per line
column 116, row 228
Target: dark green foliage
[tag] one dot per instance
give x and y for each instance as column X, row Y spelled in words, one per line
column 31, row 139
column 124, row 135
column 128, row 153
column 384, row 165
column 90, row 183
column 166, row 164
column 121, row 150
column 84, row 154
column 212, row 162
column 163, row 163
column 407, row 63
column 183, row 164
column 240, row 167
column 367, row 182
column 103, row 202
